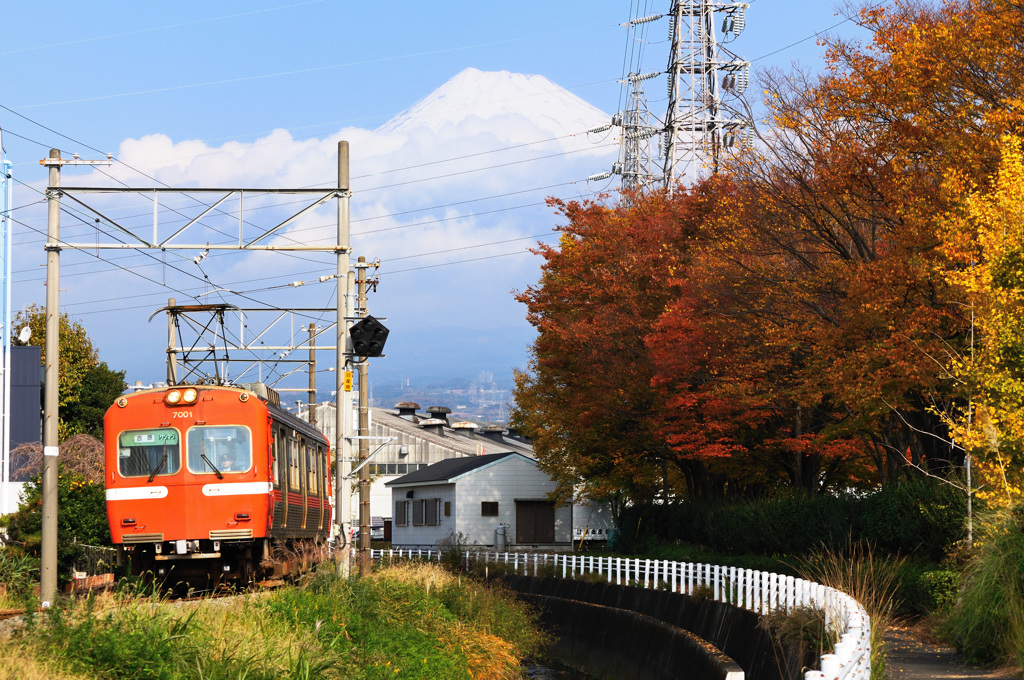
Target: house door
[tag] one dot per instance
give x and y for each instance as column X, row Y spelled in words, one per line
column 535, row 522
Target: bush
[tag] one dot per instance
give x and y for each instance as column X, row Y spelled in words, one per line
column 924, row 518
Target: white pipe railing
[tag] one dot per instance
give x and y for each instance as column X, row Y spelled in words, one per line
column 758, row 591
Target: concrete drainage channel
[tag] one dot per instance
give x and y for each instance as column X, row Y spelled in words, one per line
column 612, row 632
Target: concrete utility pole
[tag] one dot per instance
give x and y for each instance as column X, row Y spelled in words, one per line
column 48, row 568
column 343, row 413
column 172, row 356
column 364, row 435
column 51, row 434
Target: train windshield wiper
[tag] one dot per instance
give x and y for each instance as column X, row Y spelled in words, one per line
column 212, row 466
column 159, row 467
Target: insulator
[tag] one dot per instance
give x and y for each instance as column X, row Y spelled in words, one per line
column 729, row 81
column 616, row 168
column 616, row 119
column 670, row 86
column 743, row 79
column 645, row 76
column 739, row 24
column 727, row 24
column 645, row 20
column 599, row 176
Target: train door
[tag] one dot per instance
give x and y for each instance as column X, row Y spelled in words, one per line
column 280, row 479
column 304, row 477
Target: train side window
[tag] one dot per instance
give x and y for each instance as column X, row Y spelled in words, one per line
column 228, row 448
column 293, row 465
column 278, row 435
column 145, row 453
column 311, row 467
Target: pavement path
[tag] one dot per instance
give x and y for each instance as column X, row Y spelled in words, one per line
column 912, row 656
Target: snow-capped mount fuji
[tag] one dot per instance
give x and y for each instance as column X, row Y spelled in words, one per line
column 490, row 95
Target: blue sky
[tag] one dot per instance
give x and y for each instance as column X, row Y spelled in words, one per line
column 217, row 76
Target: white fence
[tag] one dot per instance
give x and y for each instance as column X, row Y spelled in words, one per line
column 758, row 591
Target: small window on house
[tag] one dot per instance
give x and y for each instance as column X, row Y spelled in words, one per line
column 489, row 508
column 447, row 508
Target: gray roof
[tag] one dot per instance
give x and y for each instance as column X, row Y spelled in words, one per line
column 448, row 470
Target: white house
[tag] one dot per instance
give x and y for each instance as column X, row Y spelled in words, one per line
column 487, row 500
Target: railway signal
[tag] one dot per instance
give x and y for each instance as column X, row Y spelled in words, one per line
column 368, row 337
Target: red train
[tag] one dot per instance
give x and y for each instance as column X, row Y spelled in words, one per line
column 210, row 484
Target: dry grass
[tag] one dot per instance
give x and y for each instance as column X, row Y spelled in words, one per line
column 870, row 580
column 17, row 662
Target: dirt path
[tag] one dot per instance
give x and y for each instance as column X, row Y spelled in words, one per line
column 912, row 656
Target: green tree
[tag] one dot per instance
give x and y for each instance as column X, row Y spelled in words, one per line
column 87, row 387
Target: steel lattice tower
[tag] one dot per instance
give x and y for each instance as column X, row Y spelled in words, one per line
column 637, row 159
column 704, row 82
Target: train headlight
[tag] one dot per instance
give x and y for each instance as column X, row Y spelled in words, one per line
column 122, row 402
column 177, row 397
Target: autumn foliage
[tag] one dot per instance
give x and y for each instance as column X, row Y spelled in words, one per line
column 840, row 306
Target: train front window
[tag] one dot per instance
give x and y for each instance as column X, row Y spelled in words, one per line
column 148, row 453
column 219, row 449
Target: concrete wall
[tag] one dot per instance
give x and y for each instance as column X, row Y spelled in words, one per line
column 732, row 631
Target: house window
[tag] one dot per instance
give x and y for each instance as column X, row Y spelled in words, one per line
column 401, row 513
column 489, row 508
column 447, row 508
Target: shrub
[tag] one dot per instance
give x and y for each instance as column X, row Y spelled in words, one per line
column 923, row 517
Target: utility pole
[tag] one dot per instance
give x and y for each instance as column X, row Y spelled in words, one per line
column 364, row 434
column 343, row 413
column 172, row 356
column 51, row 434
column 312, row 374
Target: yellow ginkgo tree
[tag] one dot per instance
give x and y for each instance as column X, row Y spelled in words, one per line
column 984, row 241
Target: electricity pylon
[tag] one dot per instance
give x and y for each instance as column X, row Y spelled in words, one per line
column 704, row 77
column 705, row 81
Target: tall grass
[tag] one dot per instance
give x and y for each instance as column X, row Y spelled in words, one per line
column 870, row 580
column 987, row 621
column 409, row 621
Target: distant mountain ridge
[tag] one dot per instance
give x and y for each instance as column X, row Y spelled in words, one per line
column 493, row 94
